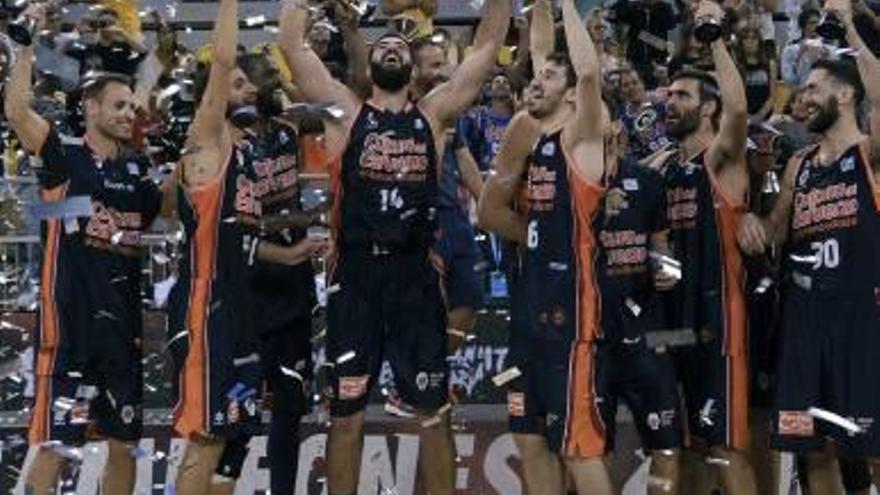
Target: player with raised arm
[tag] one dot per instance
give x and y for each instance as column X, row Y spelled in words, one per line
column 707, row 183
column 212, row 303
column 384, row 295
column 826, row 217
column 563, row 174
column 88, row 372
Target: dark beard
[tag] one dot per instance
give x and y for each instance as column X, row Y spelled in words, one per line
column 687, row 124
column 825, row 118
column 268, row 104
column 391, row 80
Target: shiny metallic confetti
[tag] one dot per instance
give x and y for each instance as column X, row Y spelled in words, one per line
column 505, row 376
column 345, row 357
column 836, row 419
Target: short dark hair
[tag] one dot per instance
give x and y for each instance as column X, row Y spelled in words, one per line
column 93, row 85
column 843, row 71
column 805, row 16
column 251, row 63
column 708, row 87
column 561, row 58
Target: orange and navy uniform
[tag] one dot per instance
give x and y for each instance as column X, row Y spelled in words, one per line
column 384, row 294
column 708, row 303
column 831, row 306
column 89, row 329
column 562, row 302
column 211, row 323
column 629, row 370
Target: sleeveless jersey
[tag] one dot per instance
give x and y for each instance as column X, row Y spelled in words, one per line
column 635, row 208
column 709, row 299
column 388, row 180
column 557, row 267
column 215, row 268
column 834, row 228
column 283, row 292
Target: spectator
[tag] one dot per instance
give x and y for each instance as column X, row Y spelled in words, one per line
column 483, row 126
column 104, row 45
column 642, row 118
column 800, row 54
column 648, row 23
column 690, row 53
column 792, row 122
column 758, row 69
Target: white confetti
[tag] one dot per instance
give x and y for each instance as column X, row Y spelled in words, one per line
column 348, row 356
column 831, row 417
column 506, row 376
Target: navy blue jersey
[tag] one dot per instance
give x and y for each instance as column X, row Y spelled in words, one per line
column 220, row 221
column 834, row 227
column 709, row 299
column 388, row 180
column 624, row 230
column 558, row 263
column 91, row 267
column 283, row 293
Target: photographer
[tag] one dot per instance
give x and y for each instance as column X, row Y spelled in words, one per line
column 649, row 22
column 104, row 45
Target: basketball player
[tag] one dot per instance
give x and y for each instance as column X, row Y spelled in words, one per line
column 212, row 302
column 707, row 184
column 563, row 193
column 88, row 373
column 827, row 214
column 385, row 299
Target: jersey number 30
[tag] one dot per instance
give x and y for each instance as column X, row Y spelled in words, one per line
column 826, row 254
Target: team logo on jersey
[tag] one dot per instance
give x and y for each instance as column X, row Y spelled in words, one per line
column 250, row 405
column 372, row 123
column 804, row 176
column 283, row 138
column 653, row 421
column 630, row 184
column 218, row 418
column 847, row 164
column 795, row 423
column 419, row 125
column 422, row 381
column 558, row 316
column 548, row 149
column 127, row 414
column 133, row 169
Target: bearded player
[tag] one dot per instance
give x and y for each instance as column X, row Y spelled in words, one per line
column 384, row 295
column 707, row 183
column 827, row 216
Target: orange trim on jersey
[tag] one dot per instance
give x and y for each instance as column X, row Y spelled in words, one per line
column 191, row 413
column 47, row 348
column 737, row 401
column 584, row 430
column 728, row 219
column 869, row 171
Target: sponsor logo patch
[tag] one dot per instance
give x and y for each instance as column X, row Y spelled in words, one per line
column 516, row 404
column 352, row 387
column 796, row 423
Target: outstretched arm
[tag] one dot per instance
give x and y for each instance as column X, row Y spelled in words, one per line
column 30, row 128
column 730, row 142
column 307, row 70
column 587, row 124
column 209, row 124
column 495, row 210
column 450, row 99
column 869, row 70
column 542, row 39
